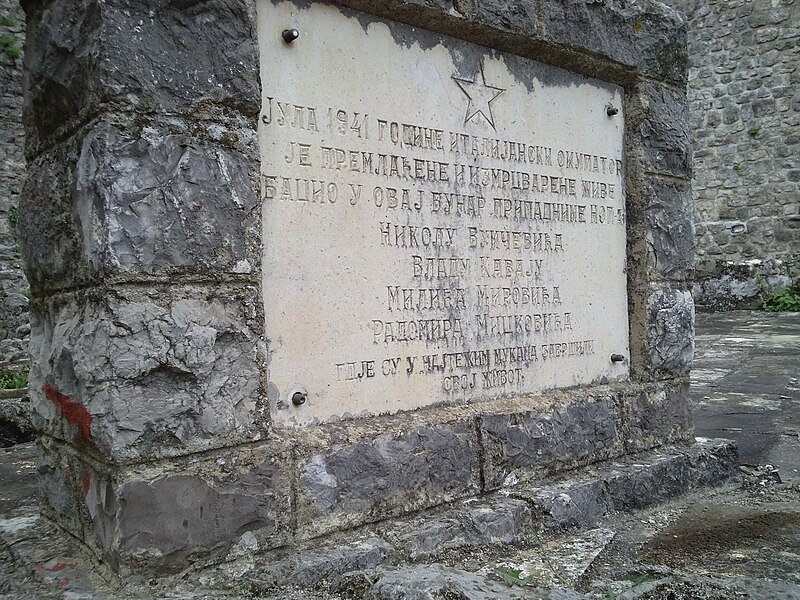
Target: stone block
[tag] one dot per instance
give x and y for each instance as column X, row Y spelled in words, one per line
column 660, row 416
column 138, row 374
column 503, row 521
column 306, row 569
column 152, row 201
column 87, row 56
column 517, row 16
column 632, row 482
column 63, row 481
column 670, row 331
column 164, row 522
column 716, row 462
column 142, row 231
column 16, row 426
column 161, row 520
column 385, row 476
column 430, row 582
column 547, row 440
column 49, row 232
column 644, row 35
column 575, row 503
column 647, row 35
column 670, row 231
column 476, row 20
column 646, row 484
column 665, row 131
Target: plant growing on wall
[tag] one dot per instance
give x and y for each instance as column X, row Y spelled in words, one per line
column 9, row 44
column 13, row 379
column 784, row 300
column 13, row 216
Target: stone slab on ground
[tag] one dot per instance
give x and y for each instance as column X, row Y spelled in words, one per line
column 630, row 483
column 309, row 568
column 561, row 561
column 432, row 582
column 503, row 521
column 55, row 569
column 742, row 536
column 573, row 559
column 734, row 539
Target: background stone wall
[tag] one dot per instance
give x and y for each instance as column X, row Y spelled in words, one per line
column 14, row 326
column 744, row 99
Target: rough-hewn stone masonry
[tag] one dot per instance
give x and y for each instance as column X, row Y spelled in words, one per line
column 14, row 327
column 745, row 111
column 141, row 222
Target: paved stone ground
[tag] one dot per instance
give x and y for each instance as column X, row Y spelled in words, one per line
column 746, row 385
column 739, row 540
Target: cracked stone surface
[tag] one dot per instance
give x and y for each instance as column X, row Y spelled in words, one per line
column 168, row 375
column 432, row 582
column 671, row 316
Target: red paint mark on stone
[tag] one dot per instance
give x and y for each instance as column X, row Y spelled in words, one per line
column 74, row 413
column 87, row 481
column 54, row 568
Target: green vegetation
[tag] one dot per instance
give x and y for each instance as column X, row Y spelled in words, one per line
column 737, row 167
column 9, row 44
column 753, row 131
column 13, row 216
column 13, row 379
column 7, row 21
column 513, row 577
column 787, row 299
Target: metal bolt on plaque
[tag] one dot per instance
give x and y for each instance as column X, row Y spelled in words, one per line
column 290, row 35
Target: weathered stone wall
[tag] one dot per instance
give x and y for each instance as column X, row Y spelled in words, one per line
column 744, row 95
column 14, row 326
column 140, row 226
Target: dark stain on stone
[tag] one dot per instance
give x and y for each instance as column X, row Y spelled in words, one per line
column 12, row 434
column 718, row 531
column 469, row 56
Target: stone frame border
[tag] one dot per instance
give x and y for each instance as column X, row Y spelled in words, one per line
column 124, row 132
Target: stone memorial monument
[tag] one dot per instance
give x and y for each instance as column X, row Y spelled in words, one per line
column 301, row 266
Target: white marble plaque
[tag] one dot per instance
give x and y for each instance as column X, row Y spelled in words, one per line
column 443, row 223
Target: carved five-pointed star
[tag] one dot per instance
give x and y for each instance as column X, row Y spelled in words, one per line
column 480, row 97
